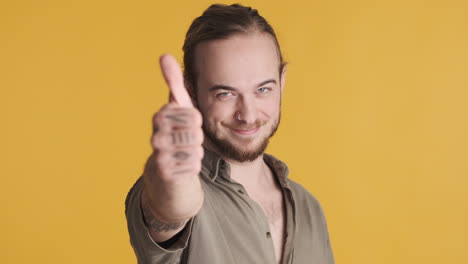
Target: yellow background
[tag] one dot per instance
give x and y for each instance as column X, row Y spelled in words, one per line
column 374, row 122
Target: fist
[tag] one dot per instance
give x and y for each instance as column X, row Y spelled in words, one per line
column 177, row 142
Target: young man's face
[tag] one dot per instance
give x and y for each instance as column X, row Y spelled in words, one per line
column 239, row 93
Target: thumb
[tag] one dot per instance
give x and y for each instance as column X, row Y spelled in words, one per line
column 175, row 80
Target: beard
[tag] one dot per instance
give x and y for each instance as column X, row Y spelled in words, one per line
column 229, row 150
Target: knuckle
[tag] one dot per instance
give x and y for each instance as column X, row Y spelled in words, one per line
column 158, row 119
column 162, row 159
column 154, row 122
column 160, row 140
column 156, row 141
column 155, row 117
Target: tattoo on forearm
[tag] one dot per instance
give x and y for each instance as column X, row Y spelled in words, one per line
column 181, row 155
column 156, row 225
column 177, row 118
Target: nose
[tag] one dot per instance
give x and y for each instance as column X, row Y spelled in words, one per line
column 246, row 112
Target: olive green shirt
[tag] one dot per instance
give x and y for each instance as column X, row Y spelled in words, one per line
column 231, row 228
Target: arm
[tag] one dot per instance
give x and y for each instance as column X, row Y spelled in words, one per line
column 169, row 193
column 172, row 191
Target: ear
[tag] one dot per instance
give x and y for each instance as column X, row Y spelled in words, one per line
column 283, row 78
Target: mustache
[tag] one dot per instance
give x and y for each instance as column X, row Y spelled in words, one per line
column 243, row 125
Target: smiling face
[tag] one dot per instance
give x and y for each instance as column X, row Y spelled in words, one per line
column 239, row 93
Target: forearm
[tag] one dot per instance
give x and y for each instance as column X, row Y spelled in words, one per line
column 160, row 231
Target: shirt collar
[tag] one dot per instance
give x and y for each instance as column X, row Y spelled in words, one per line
column 214, row 166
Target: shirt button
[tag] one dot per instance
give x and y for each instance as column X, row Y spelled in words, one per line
column 268, row 234
column 240, row 191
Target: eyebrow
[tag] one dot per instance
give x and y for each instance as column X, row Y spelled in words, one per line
column 229, row 88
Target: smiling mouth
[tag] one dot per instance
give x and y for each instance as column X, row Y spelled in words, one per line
column 248, row 131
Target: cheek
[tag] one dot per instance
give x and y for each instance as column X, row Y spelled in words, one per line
column 217, row 111
column 270, row 108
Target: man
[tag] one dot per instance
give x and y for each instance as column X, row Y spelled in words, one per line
column 209, row 194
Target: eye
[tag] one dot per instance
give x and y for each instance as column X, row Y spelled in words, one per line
column 264, row 90
column 223, row 95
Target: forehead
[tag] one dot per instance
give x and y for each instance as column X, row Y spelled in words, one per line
column 239, row 61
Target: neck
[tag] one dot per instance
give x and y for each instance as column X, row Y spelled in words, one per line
column 248, row 173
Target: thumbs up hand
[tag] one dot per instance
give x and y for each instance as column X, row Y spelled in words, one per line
column 172, row 192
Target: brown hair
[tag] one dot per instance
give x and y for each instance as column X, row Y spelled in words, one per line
column 220, row 22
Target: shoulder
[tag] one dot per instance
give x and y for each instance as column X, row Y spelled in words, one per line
column 304, row 200
column 300, row 192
